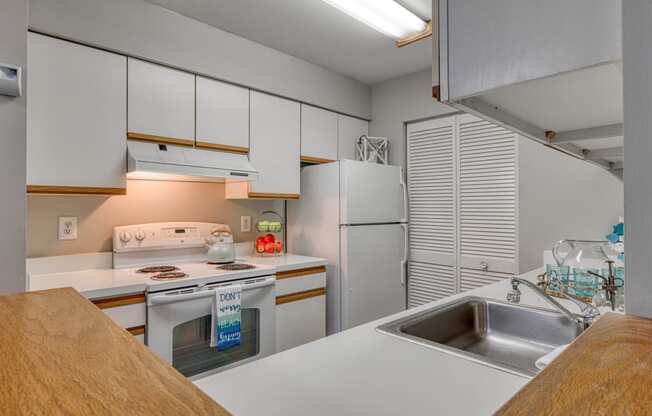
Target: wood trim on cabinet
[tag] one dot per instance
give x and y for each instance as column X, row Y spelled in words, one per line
column 427, row 32
column 293, row 297
column 310, row 159
column 136, row 330
column 223, row 148
column 160, row 139
column 116, row 301
column 269, row 195
column 74, row 190
column 300, row 272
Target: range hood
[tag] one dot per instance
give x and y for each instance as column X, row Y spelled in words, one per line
column 153, row 161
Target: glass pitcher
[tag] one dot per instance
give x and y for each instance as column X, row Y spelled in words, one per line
column 575, row 258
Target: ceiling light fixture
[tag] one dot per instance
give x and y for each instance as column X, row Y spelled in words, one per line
column 387, row 17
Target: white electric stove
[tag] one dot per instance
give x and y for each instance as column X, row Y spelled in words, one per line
column 181, row 290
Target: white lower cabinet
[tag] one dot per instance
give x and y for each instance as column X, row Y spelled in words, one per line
column 300, row 307
column 76, row 118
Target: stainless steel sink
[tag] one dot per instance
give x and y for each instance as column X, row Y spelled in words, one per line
column 501, row 335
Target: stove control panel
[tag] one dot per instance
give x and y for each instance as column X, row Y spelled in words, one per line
column 163, row 235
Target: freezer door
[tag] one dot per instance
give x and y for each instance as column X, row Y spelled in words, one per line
column 371, row 193
column 372, row 271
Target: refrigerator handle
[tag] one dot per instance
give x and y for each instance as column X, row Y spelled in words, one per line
column 405, row 196
column 405, row 254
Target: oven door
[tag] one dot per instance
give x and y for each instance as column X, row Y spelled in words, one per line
column 179, row 327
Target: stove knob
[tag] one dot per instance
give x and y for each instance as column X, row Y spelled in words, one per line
column 125, row 236
column 140, row 236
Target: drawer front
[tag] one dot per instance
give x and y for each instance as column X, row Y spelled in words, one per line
column 302, row 280
column 128, row 311
column 128, row 316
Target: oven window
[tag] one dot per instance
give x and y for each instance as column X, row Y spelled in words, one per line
column 192, row 354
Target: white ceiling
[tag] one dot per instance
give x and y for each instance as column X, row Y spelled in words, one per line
column 316, row 32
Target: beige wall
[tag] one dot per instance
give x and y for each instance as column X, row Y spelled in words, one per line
column 146, row 201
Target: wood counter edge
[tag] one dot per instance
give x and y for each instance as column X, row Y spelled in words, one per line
column 606, row 370
column 84, row 343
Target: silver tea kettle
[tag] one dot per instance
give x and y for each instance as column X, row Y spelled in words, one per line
column 220, row 246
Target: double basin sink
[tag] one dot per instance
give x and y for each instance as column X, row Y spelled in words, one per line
column 502, row 335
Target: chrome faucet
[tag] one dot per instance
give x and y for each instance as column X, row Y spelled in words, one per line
column 588, row 312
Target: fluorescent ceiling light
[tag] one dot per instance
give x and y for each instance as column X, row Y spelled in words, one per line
column 386, row 16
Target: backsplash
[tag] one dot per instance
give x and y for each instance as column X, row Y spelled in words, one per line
column 146, row 201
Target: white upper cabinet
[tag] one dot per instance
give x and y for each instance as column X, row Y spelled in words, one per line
column 222, row 116
column 76, row 118
column 349, row 130
column 318, row 135
column 161, row 103
column 517, row 64
column 275, row 143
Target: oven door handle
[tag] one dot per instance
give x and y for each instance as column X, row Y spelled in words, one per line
column 165, row 298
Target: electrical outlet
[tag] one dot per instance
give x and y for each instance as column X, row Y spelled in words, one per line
column 67, row 228
column 245, row 224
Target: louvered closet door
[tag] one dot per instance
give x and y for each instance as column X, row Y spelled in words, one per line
column 431, row 189
column 488, row 201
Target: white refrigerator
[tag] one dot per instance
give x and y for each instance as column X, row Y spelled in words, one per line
column 355, row 215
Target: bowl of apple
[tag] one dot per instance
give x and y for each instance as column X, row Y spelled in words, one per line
column 268, row 245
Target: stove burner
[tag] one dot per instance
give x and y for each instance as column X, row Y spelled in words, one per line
column 236, row 266
column 169, row 276
column 157, row 269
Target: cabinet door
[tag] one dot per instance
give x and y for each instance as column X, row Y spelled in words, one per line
column 76, row 118
column 487, row 199
column 222, row 116
column 432, row 266
column 161, row 104
column 349, row 130
column 275, row 146
column 300, row 322
column 318, row 135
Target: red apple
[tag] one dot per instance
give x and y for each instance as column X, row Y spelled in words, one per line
column 260, row 247
column 269, row 238
column 279, row 246
column 269, row 247
column 260, row 240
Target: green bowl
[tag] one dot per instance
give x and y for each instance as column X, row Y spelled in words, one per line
column 275, row 227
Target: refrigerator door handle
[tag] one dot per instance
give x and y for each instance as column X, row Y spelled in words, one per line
column 405, row 254
column 405, row 196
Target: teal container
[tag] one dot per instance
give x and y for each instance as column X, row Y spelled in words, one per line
column 585, row 284
column 556, row 275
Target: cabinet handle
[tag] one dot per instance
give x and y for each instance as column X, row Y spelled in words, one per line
column 484, row 266
column 405, row 253
column 405, row 196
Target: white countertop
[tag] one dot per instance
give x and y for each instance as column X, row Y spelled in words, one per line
column 284, row 263
column 363, row 372
column 103, row 282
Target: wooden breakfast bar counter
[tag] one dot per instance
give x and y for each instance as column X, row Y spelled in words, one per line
column 61, row 355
